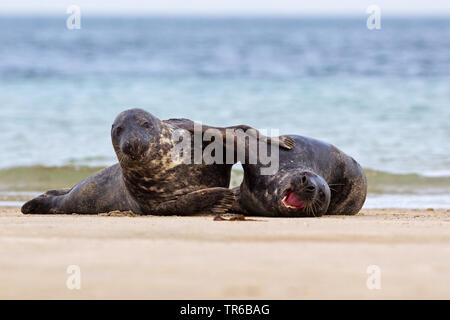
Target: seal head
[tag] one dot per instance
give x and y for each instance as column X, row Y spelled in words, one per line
column 133, row 133
column 303, row 194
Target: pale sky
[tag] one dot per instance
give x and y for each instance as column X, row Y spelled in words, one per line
column 226, row 7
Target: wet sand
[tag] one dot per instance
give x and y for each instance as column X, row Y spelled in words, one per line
column 198, row 258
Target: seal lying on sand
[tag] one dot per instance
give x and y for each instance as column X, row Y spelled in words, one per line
column 148, row 179
column 313, row 179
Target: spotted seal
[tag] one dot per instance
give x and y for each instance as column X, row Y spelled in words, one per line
column 148, row 179
column 314, row 178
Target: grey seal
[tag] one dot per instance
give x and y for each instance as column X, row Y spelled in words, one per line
column 314, row 178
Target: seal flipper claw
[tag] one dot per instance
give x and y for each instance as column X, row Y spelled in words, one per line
column 286, row 142
column 225, row 204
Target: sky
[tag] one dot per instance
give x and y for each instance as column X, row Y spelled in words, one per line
column 226, row 7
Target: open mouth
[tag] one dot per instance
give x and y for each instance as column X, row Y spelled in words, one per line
column 291, row 201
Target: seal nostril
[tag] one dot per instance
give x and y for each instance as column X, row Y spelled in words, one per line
column 129, row 147
column 310, row 188
column 303, row 179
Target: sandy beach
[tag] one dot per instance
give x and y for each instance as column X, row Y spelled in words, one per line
column 197, row 258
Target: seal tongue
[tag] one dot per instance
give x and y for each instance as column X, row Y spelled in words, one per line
column 293, row 201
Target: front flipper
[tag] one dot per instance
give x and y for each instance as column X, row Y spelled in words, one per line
column 236, row 213
column 236, row 208
column 284, row 142
column 212, row 200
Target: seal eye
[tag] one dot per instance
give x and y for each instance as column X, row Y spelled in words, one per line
column 119, row 131
column 147, row 125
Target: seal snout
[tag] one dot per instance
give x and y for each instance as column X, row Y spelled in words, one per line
column 134, row 147
column 308, row 185
column 304, row 187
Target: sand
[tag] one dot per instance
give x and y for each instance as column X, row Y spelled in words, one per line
column 198, row 258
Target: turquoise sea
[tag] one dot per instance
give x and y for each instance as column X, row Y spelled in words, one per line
column 382, row 96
